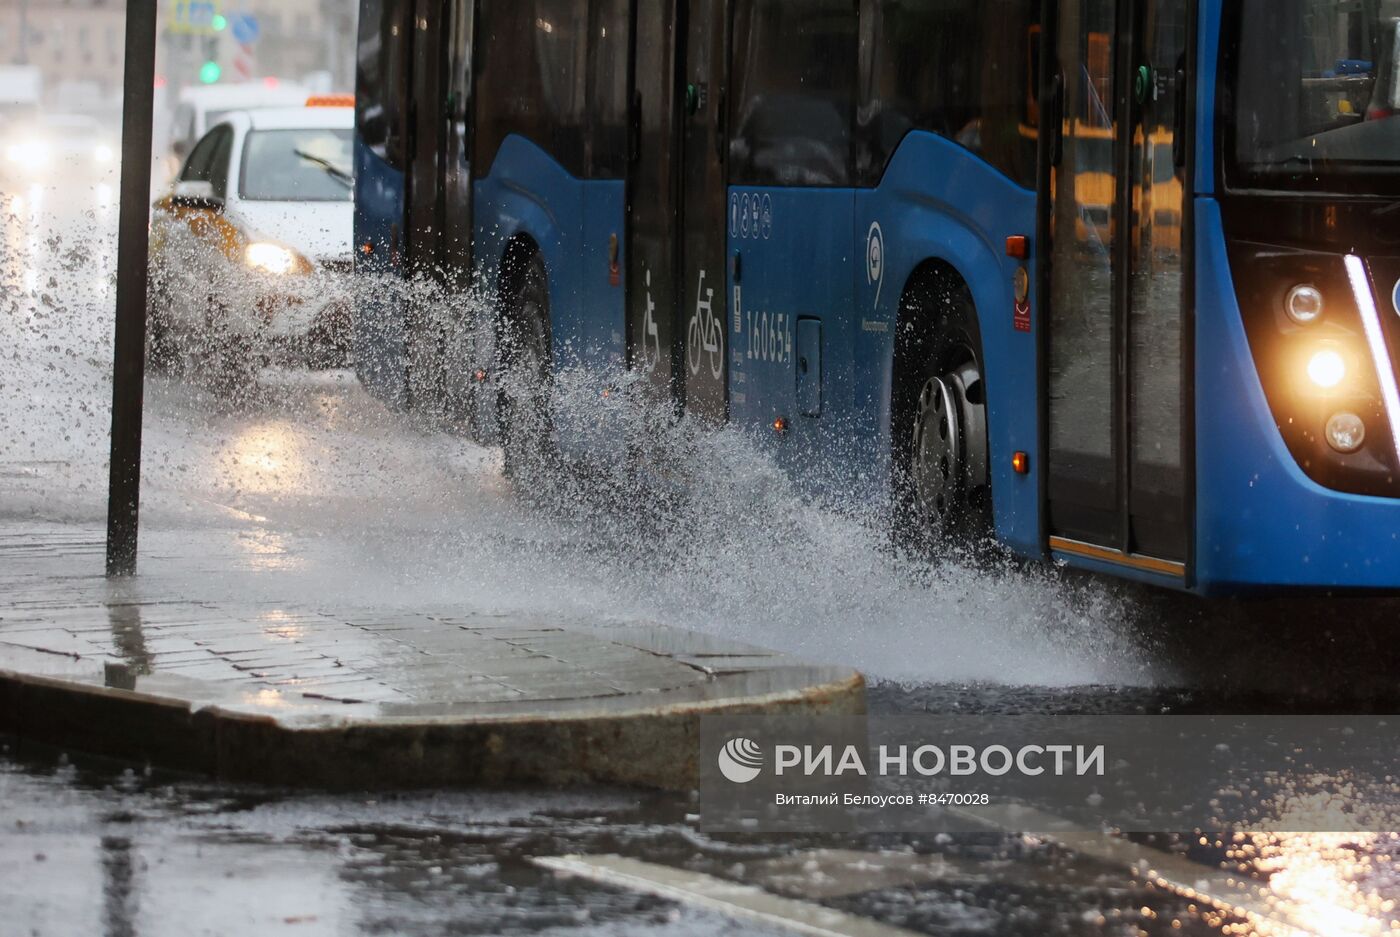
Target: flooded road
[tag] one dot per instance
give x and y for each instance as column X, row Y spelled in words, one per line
column 327, row 492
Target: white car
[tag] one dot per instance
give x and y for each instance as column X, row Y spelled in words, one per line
column 251, row 249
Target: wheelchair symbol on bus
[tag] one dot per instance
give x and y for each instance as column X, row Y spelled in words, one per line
column 705, row 334
column 651, row 339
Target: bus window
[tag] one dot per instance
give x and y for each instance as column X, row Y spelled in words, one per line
column 606, row 140
column 379, row 78
column 794, row 86
column 1312, row 88
column 531, row 78
column 560, row 39
column 958, row 69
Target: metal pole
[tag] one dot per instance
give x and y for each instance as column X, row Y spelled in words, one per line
column 129, row 352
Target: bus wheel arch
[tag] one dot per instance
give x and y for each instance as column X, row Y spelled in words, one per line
column 938, row 411
column 524, row 361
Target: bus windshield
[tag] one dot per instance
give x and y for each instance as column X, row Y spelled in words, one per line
column 1316, row 95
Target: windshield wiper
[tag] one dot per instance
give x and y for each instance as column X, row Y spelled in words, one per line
column 331, row 169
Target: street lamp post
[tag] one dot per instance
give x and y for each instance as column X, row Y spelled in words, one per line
column 129, row 352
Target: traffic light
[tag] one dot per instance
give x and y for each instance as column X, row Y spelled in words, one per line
column 218, row 23
column 209, row 72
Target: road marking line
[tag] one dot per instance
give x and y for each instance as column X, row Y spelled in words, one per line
column 744, row 902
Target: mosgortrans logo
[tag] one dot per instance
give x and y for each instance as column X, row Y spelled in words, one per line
column 740, row 760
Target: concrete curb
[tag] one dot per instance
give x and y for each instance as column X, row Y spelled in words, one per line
column 653, row 744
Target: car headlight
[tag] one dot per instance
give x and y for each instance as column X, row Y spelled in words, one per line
column 273, row 258
column 30, row 153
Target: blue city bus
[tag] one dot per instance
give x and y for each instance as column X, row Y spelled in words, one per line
column 1115, row 281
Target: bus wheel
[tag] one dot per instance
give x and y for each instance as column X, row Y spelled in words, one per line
column 526, row 424
column 943, row 486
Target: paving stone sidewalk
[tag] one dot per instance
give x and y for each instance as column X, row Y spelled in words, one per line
column 359, row 697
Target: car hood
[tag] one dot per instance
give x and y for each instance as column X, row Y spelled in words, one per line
column 319, row 230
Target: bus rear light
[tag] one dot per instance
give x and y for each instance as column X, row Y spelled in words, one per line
column 1021, row 463
column 1327, row 369
column 1346, row 432
column 1380, row 354
column 1304, row 304
column 1018, row 246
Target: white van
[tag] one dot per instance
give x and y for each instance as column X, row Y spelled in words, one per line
column 203, row 106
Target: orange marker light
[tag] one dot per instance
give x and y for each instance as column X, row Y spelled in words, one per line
column 1018, row 246
column 780, row 425
column 366, row 248
column 331, row 100
column 1021, row 462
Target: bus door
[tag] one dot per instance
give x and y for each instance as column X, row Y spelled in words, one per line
column 703, row 210
column 1115, row 218
column 381, row 77
column 424, row 210
column 676, row 203
column 653, row 202
column 454, row 221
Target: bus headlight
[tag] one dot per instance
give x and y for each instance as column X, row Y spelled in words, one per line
column 1326, row 369
column 1304, row 304
column 271, row 258
column 1346, row 432
column 102, row 153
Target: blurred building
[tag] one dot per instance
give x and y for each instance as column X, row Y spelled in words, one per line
column 285, row 39
column 76, row 44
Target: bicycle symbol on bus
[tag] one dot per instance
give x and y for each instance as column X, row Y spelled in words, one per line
column 706, row 333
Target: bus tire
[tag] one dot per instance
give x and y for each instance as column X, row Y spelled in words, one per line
column 942, row 483
column 524, row 377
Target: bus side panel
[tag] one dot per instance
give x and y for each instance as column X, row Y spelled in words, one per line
column 1260, row 520
column 794, row 261
column 593, row 315
column 937, row 201
column 1207, row 58
column 570, row 220
column 379, row 312
column 601, row 326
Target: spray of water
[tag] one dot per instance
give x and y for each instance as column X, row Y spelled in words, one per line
column 369, row 505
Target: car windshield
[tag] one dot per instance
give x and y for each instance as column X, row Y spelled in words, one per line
column 311, row 165
column 1316, row 96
